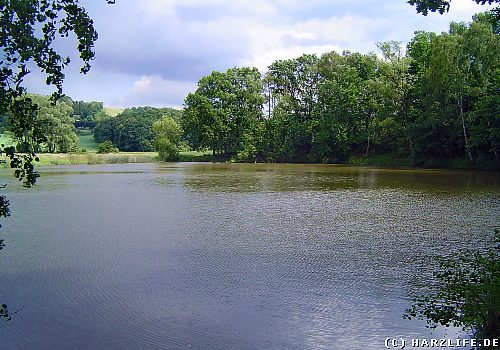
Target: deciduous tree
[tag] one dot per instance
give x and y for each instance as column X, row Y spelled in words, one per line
column 28, row 30
column 292, row 94
column 132, row 129
column 223, row 112
column 442, row 6
column 167, row 138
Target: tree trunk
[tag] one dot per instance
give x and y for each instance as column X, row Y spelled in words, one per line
column 367, row 145
column 412, row 152
column 367, row 128
column 464, row 127
column 407, row 126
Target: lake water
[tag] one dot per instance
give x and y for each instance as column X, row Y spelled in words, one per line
column 231, row 256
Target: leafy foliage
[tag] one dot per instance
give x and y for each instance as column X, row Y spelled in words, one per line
column 107, row 147
column 4, row 312
column 132, row 129
column 431, row 103
column 467, row 294
column 86, row 113
column 23, row 165
column 167, row 138
column 292, row 87
column 28, row 30
column 4, row 211
column 27, row 36
column 224, row 111
column 22, row 40
column 442, row 6
column 344, row 119
column 4, row 207
column 54, row 122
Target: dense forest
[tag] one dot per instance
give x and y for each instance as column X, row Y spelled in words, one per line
column 433, row 103
column 58, row 124
column 132, row 129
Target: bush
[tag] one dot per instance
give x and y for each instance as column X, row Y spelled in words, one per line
column 107, row 147
column 467, row 294
column 4, row 312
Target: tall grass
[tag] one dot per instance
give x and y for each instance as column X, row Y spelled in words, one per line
column 94, row 158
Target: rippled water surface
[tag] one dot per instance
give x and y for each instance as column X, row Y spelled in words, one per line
column 213, row 256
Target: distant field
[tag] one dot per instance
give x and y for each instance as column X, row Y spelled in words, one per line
column 113, row 111
column 6, row 140
column 84, row 141
column 87, row 142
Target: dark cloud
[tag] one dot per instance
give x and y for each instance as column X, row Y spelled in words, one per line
column 168, row 65
column 166, row 47
column 174, row 43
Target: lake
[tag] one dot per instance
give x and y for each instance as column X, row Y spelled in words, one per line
column 231, row 256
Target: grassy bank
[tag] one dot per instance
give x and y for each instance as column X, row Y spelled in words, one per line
column 94, row 158
column 195, row 156
column 86, row 142
column 116, row 158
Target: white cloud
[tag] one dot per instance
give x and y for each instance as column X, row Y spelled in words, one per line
column 158, row 49
column 155, row 91
column 466, row 7
column 267, row 43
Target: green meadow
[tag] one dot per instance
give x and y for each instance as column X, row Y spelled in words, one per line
column 86, row 141
column 90, row 156
column 113, row 111
column 6, row 140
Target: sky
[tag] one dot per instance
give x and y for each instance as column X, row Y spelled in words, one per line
column 153, row 52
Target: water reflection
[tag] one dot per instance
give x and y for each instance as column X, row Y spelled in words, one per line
column 231, row 256
column 288, row 177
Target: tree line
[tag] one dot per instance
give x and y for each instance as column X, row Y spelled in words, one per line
column 58, row 123
column 132, row 130
column 435, row 101
column 464, row 89
column 55, row 124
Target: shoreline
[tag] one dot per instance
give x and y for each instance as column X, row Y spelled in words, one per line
column 48, row 159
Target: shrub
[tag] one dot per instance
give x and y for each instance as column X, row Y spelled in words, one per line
column 467, row 294
column 107, row 147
